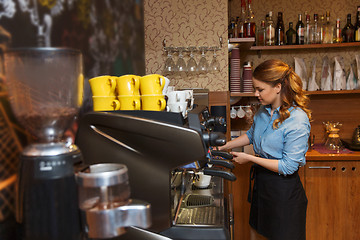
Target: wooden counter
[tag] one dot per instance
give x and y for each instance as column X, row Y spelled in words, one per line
column 313, row 155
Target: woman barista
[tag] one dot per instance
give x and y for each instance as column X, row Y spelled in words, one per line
column 279, row 135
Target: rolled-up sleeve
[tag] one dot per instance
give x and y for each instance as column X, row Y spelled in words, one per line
column 250, row 133
column 295, row 145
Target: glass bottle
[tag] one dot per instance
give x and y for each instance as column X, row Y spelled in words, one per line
column 300, row 29
column 242, row 18
column 250, row 27
column 315, row 31
column 231, row 28
column 337, row 32
column 321, row 26
column 270, row 31
column 236, row 31
column 357, row 25
column 290, row 35
column 279, row 30
column 260, row 38
column 328, row 29
column 348, row 30
column 307, row 31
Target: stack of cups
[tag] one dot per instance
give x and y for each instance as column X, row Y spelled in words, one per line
column 180, row 101
column 127, row 87
column 104, row 95
column 235, row 83
column 151, row 88
column 247, row 78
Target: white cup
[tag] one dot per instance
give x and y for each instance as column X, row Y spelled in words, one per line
column 177, row 107
column 166, row 85
column 233, row 113
column 240, row 112
column 202, row 180
column 170, row 89
column 177, row 96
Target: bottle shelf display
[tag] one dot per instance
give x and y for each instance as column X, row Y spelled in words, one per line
column 284, row 47
column 307, row 46
column 307, row 92
column 319, row 30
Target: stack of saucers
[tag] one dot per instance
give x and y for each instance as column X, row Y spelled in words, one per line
column 235, row 83
column 247, row 78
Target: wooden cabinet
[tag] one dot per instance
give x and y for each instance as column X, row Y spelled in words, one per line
column 333, row 191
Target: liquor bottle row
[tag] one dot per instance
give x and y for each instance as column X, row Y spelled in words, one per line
column 306, row 31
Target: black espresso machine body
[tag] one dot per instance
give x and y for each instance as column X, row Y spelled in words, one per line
column 151, row 145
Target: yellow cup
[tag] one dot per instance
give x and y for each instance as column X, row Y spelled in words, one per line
column 152, row 84
column 103, row 86
column 129, row 102
column 153, row 102
column 128, row 85
column 105, row 103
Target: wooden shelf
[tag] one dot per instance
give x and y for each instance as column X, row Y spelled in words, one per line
column 307, row 92
column 241, row 40
column 306, row 46
column 333, row 92
column 243, row 44
column 242, row 94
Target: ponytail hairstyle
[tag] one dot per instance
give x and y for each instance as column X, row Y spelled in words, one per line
column 274, row 72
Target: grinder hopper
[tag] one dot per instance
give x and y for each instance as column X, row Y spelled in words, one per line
column 45, row 87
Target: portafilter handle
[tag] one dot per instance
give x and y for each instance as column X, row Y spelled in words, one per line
column 110, row 223
column 222, row 154
column 105, row 204
column 223, row 163
column 226, row 174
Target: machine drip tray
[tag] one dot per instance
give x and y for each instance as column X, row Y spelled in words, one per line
column 197, row 216
column 195, row 200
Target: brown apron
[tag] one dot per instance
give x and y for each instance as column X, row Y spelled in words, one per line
column 278, row 205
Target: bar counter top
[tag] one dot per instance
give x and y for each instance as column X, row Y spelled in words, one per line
column 313, row 155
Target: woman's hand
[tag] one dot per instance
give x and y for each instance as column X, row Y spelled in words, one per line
column 241, row 157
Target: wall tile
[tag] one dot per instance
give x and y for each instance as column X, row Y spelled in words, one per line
column 187, row 23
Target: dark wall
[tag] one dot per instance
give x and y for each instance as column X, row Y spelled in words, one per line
column 109, row 33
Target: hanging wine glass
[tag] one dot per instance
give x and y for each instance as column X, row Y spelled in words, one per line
column 214, row 65
column 203, row 64
column 169, row 63
column 192, row 65
column 181, row 64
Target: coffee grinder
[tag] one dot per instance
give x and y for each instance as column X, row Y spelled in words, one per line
column 45, row 87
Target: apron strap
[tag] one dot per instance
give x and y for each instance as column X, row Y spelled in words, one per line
column 252, row 177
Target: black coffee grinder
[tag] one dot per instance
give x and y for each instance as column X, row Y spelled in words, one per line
column 45, row 88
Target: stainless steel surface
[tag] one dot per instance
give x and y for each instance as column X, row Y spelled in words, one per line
column 200, row 216
column 103, row 175
column 105, row 204
column 199, row 207
column 49, row 149
column 109, row 223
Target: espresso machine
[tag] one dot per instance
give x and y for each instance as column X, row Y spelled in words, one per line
column 45, row 88
column 164, row 153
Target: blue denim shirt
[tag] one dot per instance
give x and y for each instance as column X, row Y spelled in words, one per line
column 288, row 143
